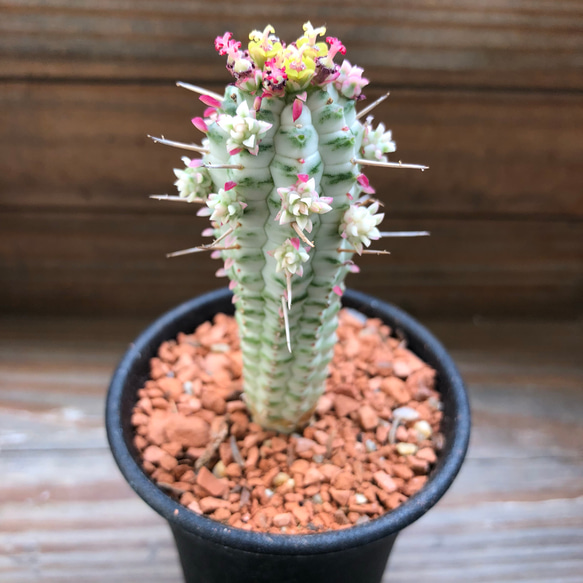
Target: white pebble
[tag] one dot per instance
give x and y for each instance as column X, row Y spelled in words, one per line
column 187, row 387
column 423, row 429
column 360, row 499
column 219, row 470
column 406, row 414
column 370, row 445
column 404, row 448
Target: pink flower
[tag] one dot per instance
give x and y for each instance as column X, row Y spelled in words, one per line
column 350, row 81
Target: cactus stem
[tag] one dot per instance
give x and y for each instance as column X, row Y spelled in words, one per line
column 200, row 90
column 286, row 322
column 405, row 233
column 225, row 166
column 289, row 290
column 363, row 162
column 370, row 107
column 200, row 248
column 192, row 147
column 301, row 235
column 174, row 198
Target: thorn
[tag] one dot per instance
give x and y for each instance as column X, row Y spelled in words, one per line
column 225, row 166
column 370, row 107
column 286, row 322
column 375, row 252
column 364, row 251
column 200, row 90
column 301, row 235
column 201, row 248
column 405, row 234
column 363, row 162
column 174, row 198
column 192, row 147
column 225, row 234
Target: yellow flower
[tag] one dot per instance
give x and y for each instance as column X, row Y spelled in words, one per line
column 263, row 45
column 314, row 49
column 299, row 67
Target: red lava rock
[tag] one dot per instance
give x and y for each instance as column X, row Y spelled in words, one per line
column 214, row 486
column 194, row 506
column 188, row 431
column 303, row 445
column 427, row 454
column 210, row 504
column 252, row 457
column 286, row 483
column 313, row 476
column 213, row 402
column 300, row 466
column 283, row 519
column 340, row 496
column 385, row 481
column 221, row 514
column 368, row 418
column 344, row 405
column 343, row 481
column 153, row 454
column 171, row 386
column 325, row 404
column 396, row 389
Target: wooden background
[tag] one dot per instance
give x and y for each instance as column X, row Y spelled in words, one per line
column 487, row 93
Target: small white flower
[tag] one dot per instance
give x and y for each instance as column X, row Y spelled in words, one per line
column 194, row 182
column 225, row 206
column 244, row 129
column 359, row 225
column 299, row 201
column 376, row 142
column 289, row 256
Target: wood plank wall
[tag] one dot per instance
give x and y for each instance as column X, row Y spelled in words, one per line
column 487, row 93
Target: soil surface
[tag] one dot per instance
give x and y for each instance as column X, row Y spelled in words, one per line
column 371, row 443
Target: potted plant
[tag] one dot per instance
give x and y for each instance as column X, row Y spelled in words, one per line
column 281, row 179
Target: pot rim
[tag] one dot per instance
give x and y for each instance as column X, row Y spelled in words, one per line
column 305, row 544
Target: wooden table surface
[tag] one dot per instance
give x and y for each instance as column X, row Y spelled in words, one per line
column 515, row 512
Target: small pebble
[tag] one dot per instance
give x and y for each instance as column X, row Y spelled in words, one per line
column 423, row 429
column 220, row 471
column 404, row 448
column 370, row 445
column 406, row 414
column 280, row 479
column 360, row 499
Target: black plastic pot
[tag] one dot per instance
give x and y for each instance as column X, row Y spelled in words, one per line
column 211, row 552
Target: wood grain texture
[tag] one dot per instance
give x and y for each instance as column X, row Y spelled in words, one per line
column 488, row 94
column 489, row 153
column 499, row 43
column 75, row 263
column 515, row 513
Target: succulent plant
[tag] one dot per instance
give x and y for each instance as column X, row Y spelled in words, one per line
column 281, row 179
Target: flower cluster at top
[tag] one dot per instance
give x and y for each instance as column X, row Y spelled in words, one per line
column 270, row 68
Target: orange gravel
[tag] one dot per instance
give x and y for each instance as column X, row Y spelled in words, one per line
column 371, row 443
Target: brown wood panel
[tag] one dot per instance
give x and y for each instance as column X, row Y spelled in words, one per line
column 490, row 153
column 516, row 44
column 73, row 263
column 513, row 514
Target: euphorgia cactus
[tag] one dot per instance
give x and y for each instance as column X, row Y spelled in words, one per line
column 281, row 179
